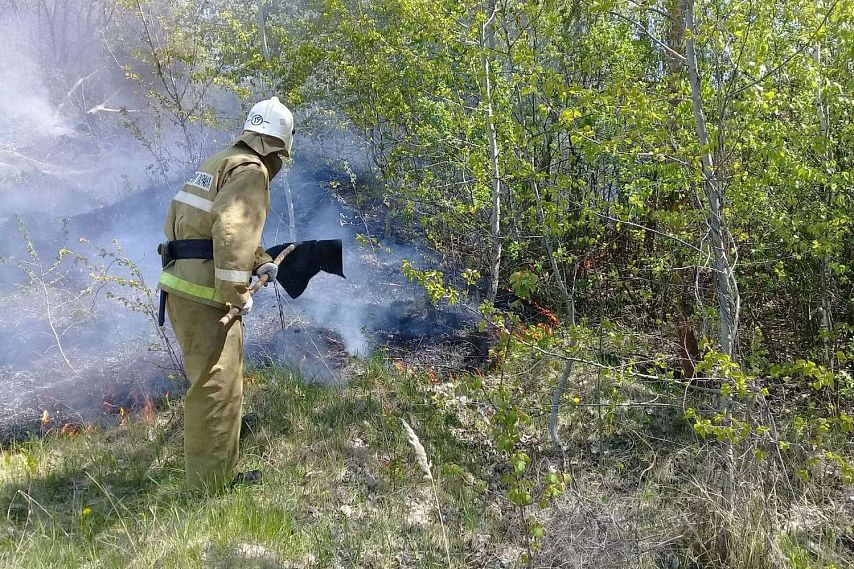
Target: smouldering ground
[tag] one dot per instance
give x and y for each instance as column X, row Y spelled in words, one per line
column 341, row 488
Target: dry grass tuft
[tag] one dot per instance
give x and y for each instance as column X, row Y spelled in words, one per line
column 424, row 464
column 420, row 453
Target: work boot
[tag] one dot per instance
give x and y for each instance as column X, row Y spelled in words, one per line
column 249, row 478
column 249, row 424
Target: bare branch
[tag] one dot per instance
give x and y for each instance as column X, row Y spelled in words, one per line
column 101, row 108
column 658, row 42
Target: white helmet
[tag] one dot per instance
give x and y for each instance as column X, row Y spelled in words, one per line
column 274, row 119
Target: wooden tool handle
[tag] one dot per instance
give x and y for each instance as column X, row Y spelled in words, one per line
column 230, row 315
column 262, row 280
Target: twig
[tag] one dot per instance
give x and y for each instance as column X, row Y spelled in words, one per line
column 658, row 42
column 645, row 228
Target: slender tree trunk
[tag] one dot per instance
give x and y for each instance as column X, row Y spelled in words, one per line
column 555, row 408
column 543, row 164
column 262, row 30
column 568, row 297
column 488, row 45
column 675, row 41
column 826, row 301
column 727, row 292
column 292, row 226
column 727, row 295
column 685, row 289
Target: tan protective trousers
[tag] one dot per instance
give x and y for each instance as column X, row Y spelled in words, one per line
column 213, row 358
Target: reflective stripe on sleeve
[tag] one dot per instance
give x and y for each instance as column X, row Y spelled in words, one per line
column 192, row 289
column 193, row 200
column 233, row 276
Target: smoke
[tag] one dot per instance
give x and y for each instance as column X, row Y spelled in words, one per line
column 78, row 179
column 24, row 103
column 51, row 159
column 374, row 280
column 84, row 183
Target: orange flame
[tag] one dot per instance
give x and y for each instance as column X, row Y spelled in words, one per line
column 69, row 430
column 547, row 314
column 45, row 417
column 148, row 410
column 123, row 417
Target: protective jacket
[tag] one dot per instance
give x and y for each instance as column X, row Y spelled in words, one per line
column 225, row 201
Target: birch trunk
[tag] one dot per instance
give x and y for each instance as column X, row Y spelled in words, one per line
column 488, row 44
column 727, row 293
column 826, row 302
column 569, row 299
column 724, row 279
column 262, row 30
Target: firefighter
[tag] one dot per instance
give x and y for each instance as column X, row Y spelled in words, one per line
column 213, row 228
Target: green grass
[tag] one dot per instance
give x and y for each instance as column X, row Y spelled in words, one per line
column 341, row 487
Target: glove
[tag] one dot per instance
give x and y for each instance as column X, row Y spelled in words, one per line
column 269, row 269
column 247, row 308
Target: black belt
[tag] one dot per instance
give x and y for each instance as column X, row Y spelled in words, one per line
column 180, row 249
column 185, row 249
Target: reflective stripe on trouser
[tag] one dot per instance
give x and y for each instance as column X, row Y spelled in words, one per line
column 213, row 358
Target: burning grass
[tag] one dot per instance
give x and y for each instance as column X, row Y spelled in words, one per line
column 51, row 400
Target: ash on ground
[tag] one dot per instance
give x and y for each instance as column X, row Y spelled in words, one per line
column 317, row 353
column 417, row 334
column 101, row 392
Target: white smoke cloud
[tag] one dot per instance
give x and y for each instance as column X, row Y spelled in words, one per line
column 55, row 163
column 25, row 108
